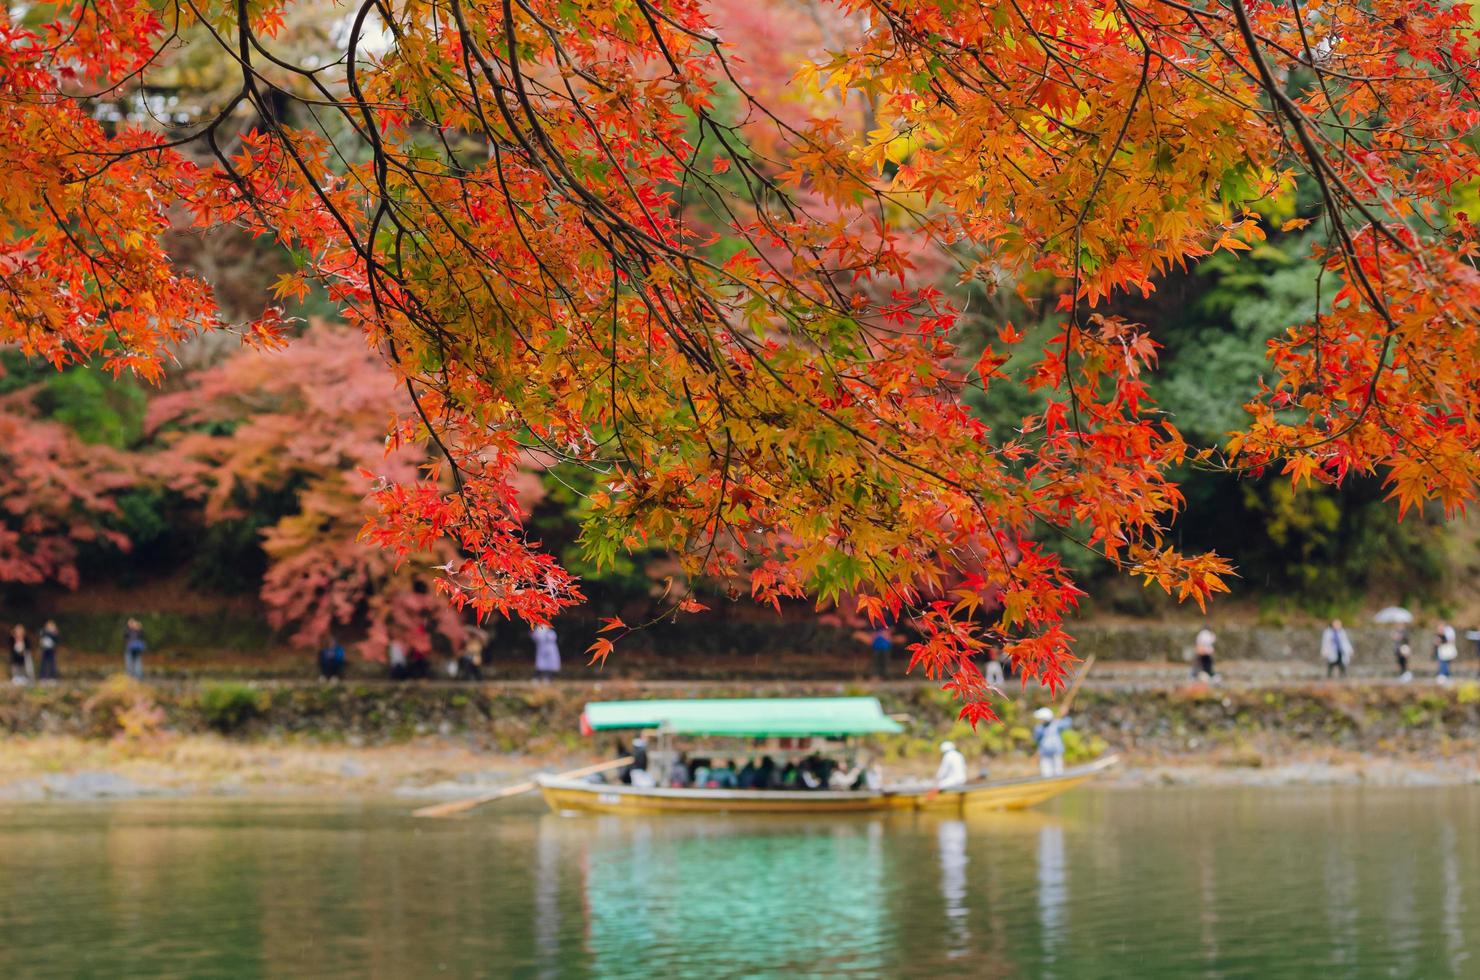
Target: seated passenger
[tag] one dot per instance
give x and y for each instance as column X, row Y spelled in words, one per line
column 701, row 776
column 821, row 766
column 723, row 776
column 814, row 771
column 864, row 775
column 790, row 777
column 642, row 779
column 765, row 774
column 639, row 758
column 747, row 776
column 639, row 753
column 678, row 772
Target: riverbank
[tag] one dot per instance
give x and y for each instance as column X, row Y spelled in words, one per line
column 119, row 738
column 67, row 768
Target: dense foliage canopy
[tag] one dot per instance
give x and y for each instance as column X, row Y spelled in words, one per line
column 600, row 233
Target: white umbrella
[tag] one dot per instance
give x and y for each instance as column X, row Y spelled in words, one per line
column 1393, row 614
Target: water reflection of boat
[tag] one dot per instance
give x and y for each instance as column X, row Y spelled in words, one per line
column 732, row 896
column 777, row 726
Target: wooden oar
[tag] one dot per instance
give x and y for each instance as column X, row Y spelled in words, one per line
column 462, row 806
column 1068, row 701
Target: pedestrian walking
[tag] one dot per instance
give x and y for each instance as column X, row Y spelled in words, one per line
column 881, row 645
column 1203, row 647
column 995, row 675
column 1445, row 650
column 1336, row 649
column 1402, row 650
column 470, row 661
column 331, row 660
column 133, row 648
column 419, row 667
column 50, row 640
column 20, row 655
column 395, row 655
column 546, row 653
column 881, row 641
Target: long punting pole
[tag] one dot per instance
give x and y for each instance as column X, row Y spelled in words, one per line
column 462, row 806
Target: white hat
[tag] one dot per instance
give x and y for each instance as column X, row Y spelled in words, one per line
column 1044, row 714
column 948, row 746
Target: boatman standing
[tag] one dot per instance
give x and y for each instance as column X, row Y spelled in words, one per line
column 1049, row 734
column 952, row 771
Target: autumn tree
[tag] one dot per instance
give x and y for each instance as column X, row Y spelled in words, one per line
column 575, row 227
column 308, row 422
column 58, row 495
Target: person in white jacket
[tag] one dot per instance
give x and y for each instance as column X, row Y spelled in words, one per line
column 952, row 771
column 1048, row 734
column 1445, row 650
column 1336, row 648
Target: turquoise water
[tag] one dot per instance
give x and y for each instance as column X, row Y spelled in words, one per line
column 1104, row 883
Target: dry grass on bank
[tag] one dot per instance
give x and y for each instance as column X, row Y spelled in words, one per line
column 210, row 764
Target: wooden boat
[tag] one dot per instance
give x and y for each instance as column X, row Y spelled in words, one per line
column 564, row 795
column 794, row 720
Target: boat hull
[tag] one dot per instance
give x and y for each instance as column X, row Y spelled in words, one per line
column 565, row 795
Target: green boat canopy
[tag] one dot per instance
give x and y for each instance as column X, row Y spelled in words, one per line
column 743, row 717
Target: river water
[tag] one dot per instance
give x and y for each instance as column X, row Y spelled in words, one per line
column 1103, row 883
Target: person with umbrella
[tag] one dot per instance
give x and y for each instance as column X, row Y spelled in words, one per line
column 1401, row 651
column 1398, row 618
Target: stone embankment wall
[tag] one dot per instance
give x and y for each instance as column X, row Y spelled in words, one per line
column 543, row 719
